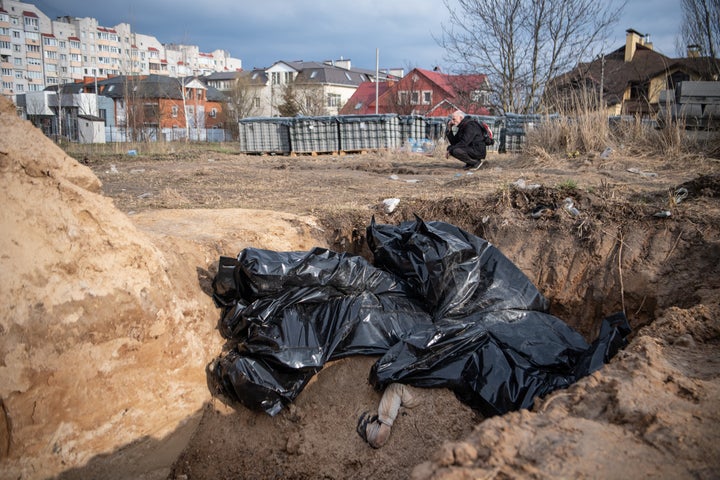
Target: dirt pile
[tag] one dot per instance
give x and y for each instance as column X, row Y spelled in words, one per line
column 104, row 338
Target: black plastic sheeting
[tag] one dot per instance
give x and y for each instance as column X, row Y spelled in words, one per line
column 441, row 307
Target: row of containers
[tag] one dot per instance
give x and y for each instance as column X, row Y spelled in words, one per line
column 353, row 133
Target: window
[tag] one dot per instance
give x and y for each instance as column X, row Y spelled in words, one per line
column 4, row 31
column 333, row 100
column 51, row 55
column 427, row 97
column 31, row 23
column 415, row 98
column 17, row 48
column 17, row 61
column 34, row 36
column 16, row 33
column 50, row 41
column 275, row 78
column 256, row 102
column 4, row 44
column 403, row 97
column 74, row 44
column 213, row 113
column 175, row 110
column 33, row 48
column 6, row 71
column 7, row 85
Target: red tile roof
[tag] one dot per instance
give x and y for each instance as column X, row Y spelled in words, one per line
column 364, row 98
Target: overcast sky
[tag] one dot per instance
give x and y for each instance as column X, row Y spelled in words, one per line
column 263, row 32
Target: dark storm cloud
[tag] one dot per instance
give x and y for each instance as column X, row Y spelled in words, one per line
column 262, row 32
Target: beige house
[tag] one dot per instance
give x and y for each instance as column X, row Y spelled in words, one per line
column 630, row 78
column 319, row 88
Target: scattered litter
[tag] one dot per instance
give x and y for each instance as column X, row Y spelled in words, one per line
column 573, row 154
column 211, row 160
column 640, row 172
column 391, row 204
column 132, row 153
column 137, row 170
column 145, row 195
column 423, row 145
column 540, row 211
column 680, row 195
column 663, row 214
column 411, row 180
column 521, row 185
column 113, row 169
column 606, row 153
column 570, row 208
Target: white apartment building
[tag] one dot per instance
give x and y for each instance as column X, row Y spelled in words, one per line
column 36, row 52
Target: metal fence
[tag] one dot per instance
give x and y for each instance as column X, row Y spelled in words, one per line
column 154, row 134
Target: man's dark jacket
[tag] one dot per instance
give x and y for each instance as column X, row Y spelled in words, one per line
column 469, row 137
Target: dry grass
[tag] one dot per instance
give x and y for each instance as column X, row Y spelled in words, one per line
column 590, row 132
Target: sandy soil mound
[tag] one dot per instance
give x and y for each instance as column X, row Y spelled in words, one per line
column 104, row 336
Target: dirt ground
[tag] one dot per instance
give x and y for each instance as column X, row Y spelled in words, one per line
column 653, row 411
column 645, row 409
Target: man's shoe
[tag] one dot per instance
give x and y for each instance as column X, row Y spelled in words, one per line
column 474, row 166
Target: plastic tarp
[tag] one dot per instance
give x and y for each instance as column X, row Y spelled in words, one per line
column 441, row 307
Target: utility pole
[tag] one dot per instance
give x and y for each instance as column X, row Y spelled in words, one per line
column 602, row 81
column 377, row 78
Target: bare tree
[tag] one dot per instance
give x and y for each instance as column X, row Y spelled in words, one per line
column 240, row 99
column 311, row 100
column 521, row 44
column 701, row 28
column 405, row 101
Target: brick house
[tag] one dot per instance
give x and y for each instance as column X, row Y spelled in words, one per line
column 423, row 92
column 158, row 101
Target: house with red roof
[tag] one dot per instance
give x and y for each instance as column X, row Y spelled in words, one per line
column 429, row 93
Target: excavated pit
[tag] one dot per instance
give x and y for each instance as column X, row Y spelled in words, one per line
column 587, row 268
